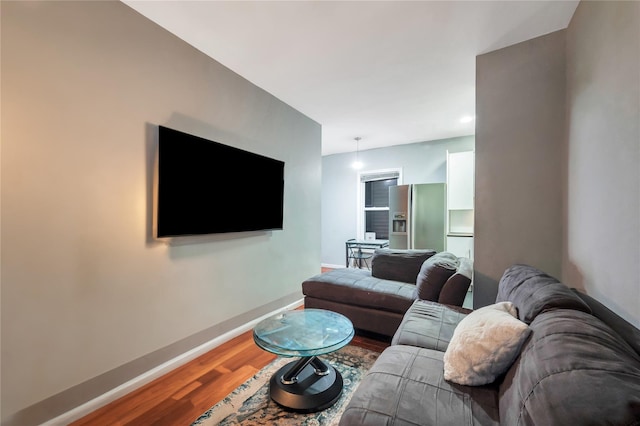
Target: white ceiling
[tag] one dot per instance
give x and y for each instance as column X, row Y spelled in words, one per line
column 390, row 72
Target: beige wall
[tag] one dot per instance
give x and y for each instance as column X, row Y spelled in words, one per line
column 602, row 253
column 89, row 298
column 520, row 107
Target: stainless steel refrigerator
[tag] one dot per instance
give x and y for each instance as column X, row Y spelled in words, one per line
column 417, row 216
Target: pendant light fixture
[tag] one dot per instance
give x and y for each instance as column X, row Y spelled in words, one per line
column 357, row 164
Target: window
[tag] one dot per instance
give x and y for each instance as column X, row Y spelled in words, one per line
column 374, row 202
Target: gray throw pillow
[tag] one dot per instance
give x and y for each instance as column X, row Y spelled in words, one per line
column 434, row 273
column 455, row 289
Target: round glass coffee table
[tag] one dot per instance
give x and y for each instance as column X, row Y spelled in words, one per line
column 308, row 384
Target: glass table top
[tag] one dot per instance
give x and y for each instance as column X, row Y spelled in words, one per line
column 307, row 332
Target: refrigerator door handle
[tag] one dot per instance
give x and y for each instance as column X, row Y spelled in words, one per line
column 413, row 208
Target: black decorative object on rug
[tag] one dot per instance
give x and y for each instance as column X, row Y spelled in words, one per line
column 250, row 403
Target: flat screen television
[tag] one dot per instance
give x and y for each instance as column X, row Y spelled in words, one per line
column 205, row 187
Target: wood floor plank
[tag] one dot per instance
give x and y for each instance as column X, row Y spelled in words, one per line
column 186, row 390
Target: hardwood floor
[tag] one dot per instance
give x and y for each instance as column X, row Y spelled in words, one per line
column 181, row 396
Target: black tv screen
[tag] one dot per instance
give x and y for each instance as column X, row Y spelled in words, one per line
column 205, row 187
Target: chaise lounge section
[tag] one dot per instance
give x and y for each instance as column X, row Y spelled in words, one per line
column 376, row 300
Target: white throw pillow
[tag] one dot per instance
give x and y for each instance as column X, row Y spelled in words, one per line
column 484, row 345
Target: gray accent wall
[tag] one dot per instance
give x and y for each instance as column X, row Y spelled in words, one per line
column 422, row 162
column 558, row 155
column 89, row 298
column 602, row 253
column 520, row 106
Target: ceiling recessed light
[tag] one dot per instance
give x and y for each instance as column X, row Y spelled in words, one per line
column 467, row 119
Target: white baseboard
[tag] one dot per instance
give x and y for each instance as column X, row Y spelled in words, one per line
column 328, row 265
column 159, row 371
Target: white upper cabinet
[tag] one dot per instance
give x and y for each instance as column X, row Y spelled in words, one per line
column 460, row 180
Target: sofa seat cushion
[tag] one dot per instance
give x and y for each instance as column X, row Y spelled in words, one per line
column 533, row 292
column 428, row 325
column 405, row 386
column 573, row 370
column 357, row 287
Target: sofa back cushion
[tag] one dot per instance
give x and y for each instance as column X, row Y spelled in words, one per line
column 626, row 330
column 455, row 289
column 398, row 265
column 434, row 273
column 533, row 292
column 573, row 370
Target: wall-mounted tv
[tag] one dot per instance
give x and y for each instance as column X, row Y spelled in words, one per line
column 205, row 187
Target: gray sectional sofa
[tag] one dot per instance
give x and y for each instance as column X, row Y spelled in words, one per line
column 376, row 300
column 573, row 362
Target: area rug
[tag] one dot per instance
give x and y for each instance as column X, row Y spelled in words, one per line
column 250, row 403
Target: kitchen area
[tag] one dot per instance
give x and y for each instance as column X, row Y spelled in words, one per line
column 460, row 203
column 436, row 216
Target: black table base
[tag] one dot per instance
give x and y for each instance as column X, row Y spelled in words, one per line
column 306, row 385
